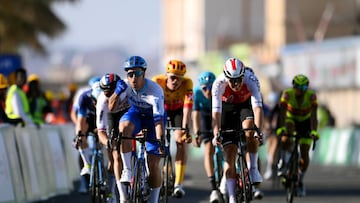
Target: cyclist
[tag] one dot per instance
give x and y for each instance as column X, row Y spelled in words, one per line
column 146, row 100
column 298, row 112
column 202, row 122
column 85, row 123
column 178, row 91
column 236, row 95
column 107, row 121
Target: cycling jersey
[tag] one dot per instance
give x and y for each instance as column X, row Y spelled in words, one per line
column 102, row 110
column 86, row 108
column 293, row 109
column 146, row 109
column 182, row 97
column 201, row 103
column 221, row 91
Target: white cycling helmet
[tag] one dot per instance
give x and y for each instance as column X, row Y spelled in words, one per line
column 234, row 68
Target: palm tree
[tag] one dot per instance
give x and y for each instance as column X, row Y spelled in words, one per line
column 23, row 22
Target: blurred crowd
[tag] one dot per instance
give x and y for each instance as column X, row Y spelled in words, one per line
column 25, row 101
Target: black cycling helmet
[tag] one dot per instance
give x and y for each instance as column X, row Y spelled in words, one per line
column 108, row 81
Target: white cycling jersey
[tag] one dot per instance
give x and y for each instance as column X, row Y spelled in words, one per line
column 221, row 91
column 102, row 109
column 151, row 96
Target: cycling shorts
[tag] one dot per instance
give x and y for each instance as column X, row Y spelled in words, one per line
column 113, row 121
column 143, row 120
column 302, row 128
column 175, row 117
column 206, row 126
column 232, row 116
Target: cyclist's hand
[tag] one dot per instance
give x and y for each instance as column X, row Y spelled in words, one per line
column 259, row 137
column 281, row 131
column 314, row 135
column 120, row 87
column 197, row 140
column 216, row 141
column 162, row 146
column 186, row 137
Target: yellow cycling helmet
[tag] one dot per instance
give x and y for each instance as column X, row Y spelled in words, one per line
column 176, row 67
column 3, row 82
column 33, row 77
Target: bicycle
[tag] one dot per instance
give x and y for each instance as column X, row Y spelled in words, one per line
column 168, row 171
column 244, row 185
column 98, row 176
column 139, row 189
column 291, row 178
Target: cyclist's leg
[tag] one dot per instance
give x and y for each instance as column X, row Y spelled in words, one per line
column 285, row 146
column 153, row 160
column 176, row 118
column 128, row 124
column 230, row 152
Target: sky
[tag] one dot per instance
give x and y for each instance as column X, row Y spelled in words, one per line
column 93, row 24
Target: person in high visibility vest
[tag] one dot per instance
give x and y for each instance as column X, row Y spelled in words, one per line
column 39, row 106
column 16, row 103
column 3, row 117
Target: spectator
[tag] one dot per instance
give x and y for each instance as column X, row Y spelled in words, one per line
column 38, row 104
column 3, row 117
column 17, row 104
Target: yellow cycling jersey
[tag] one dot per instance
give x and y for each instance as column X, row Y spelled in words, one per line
column 299, row 112
column 180, row 98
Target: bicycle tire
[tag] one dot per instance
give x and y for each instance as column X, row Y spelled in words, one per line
column 169, row 178
column 95, row 186
column 218, row 168
column 243, row 182
column 292, row 178
column 138, row 186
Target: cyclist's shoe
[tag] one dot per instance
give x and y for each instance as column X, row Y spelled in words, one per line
column 179, row 192
column 281, row 171
column 85, row 170
column 215, row 197
column 222, row 186
column 301, row 192
column 126, row 176
column 268, row 174
column 255, row 175
column 257, row 193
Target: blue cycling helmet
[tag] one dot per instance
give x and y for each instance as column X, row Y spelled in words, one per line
column 135, row 61
column 206, row 78
column 92, row 80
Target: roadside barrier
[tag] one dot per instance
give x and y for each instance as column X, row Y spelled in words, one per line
column 36, row 164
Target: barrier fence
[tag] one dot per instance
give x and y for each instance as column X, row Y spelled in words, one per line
column 36, row 164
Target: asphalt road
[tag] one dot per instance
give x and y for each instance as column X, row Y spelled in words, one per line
column 324, row 184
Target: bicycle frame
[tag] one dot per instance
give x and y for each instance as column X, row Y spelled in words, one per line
column 97, row 182
column 292, row 176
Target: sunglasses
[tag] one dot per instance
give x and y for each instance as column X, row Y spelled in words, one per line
column 137, row 73
column 206, row 87
column 174, row 77
column 301, row 87
column 235, row 81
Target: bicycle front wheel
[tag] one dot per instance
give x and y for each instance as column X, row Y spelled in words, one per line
column 95, row 183
column 169, row 178
column 139, row 183
column 218, row 167
column 244, row 182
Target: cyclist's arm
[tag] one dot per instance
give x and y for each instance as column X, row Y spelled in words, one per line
column 313, row 119
column 196, row 121
column 102, row 137
column 259, row 116
column 159, row 128
column 186, row 122
column 216, row 117
column 113, row 101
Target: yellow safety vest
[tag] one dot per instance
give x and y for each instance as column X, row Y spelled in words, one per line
column 8, row 102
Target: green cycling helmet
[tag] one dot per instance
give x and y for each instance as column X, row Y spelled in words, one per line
column 300, row 82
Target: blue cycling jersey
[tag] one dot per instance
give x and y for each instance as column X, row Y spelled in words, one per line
column 86, row 105
column 201, row 103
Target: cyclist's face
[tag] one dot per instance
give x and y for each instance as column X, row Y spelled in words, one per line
column 235, row 83
column 173, row 82
column 136, row 77
column 206, row 90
